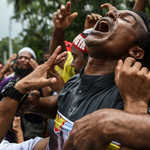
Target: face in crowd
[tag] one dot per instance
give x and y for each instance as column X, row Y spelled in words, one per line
column 23, row 66
column 79, row 52
column 79, row 59
column 114, row 36
column 46, row 57
column 23, row 60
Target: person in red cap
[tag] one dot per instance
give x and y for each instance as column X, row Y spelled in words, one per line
column 79, row 53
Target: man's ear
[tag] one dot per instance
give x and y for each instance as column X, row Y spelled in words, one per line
column 136, row 52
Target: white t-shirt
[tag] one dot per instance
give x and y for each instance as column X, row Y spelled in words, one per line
column 27, row 145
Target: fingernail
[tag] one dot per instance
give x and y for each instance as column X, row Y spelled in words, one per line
column 119, row 62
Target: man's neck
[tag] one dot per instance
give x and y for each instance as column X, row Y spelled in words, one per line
column 100, row 67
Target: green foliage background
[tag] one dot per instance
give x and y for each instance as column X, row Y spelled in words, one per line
column 36, row 19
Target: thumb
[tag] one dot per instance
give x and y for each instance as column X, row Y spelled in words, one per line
column 117, row 71
column 52, row 81
column 72, row 16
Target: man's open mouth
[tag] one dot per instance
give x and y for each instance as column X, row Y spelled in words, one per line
column 102, row 26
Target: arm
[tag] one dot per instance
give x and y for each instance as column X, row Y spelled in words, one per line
column 140, row 5
column 38, row 79
column 41, row 144
column 10, row 105
column 17, row 130
column 61, row 20
column 129, row 129
column 129, row 80
column 46, row 107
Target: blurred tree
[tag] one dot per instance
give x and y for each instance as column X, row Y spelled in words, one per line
column 4, row 46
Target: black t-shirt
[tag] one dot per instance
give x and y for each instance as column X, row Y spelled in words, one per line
column 83, row 94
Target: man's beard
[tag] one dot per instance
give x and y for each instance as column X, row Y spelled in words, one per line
column 21, row 72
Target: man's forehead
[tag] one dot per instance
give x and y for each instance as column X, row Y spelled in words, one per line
column 136, row 17
column 25, row 54
column 128, row 12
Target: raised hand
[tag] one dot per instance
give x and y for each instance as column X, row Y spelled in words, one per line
column 91, row 20
column 8, row 63
column 63, row 17
column 16, row 126
column 39, row 77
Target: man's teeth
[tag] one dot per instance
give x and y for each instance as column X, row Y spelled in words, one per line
column 103, row 25
column 104, row 22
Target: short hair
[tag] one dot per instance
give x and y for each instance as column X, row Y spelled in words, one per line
column 45, row 50
column 144, row 41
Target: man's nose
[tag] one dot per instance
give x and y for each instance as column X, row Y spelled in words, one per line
column 22, row 59
column 112, row 15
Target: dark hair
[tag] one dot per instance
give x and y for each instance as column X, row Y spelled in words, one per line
column 144, row 40
column 46, row 50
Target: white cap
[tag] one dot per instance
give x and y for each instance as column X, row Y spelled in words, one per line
column 28, row 49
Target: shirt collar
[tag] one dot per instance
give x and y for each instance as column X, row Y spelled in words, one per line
column 96, row 81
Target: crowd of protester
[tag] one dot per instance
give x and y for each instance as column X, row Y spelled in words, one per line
column 91, row 93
